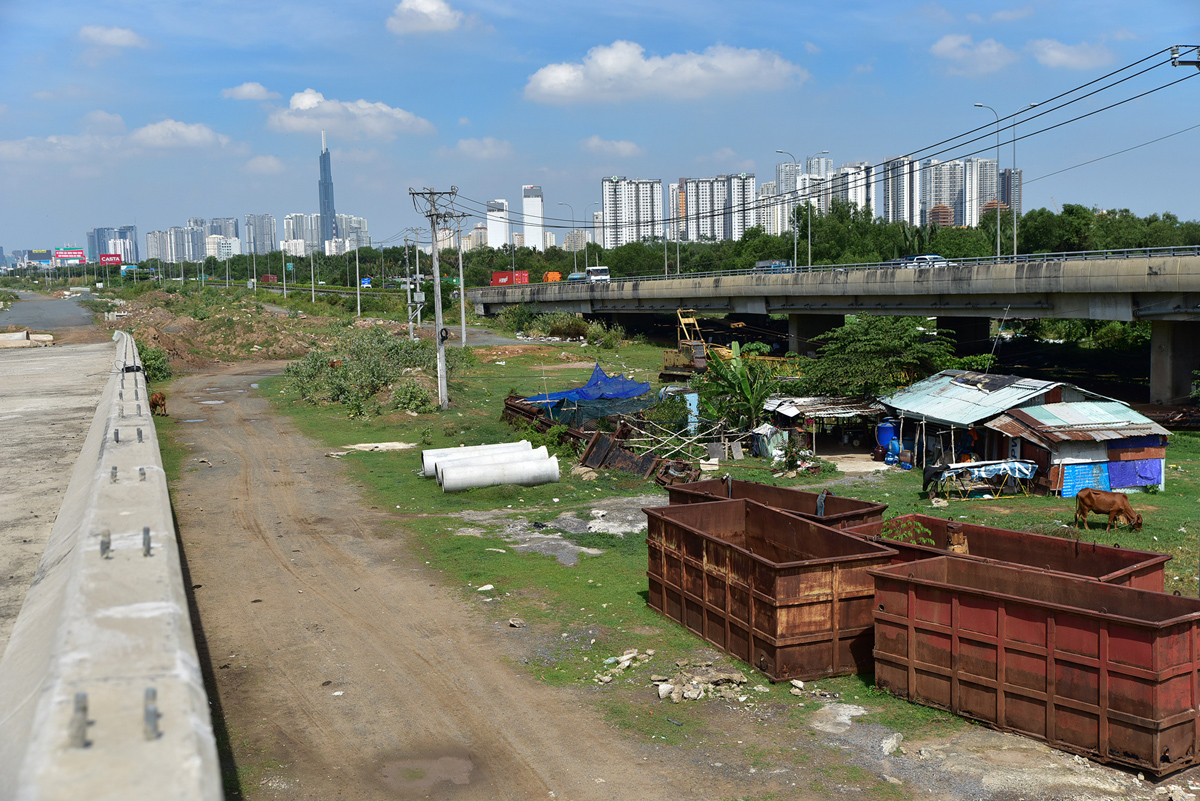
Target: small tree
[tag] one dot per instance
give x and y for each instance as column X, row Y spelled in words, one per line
column 735, row 389
column 873, row 355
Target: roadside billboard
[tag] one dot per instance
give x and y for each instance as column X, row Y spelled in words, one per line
column 111, row 259
column 39, row 256
column 70, row 256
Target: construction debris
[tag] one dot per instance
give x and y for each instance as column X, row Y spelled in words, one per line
column 702, row 681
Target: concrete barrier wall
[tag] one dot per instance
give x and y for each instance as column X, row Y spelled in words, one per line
column 101, row 695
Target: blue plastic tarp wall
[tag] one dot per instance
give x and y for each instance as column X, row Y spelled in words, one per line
column 600, row 385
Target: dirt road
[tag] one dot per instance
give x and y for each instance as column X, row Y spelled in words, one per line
column 343, row 669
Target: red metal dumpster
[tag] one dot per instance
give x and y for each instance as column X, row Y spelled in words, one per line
column 1110, row 564
column 784, row 594
column 1096, row 669
column 839, row 512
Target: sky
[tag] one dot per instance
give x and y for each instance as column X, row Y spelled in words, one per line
column 150, row 112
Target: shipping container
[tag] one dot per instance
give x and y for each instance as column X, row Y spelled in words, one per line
column 838, row 512
column 1111, row 564
column 787, row 595
column 269, row 279
column 510, row 278
column 1106, row 671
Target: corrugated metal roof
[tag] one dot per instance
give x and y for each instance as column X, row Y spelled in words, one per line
column 1085, row 420
column 964, row 398
column 824, row 406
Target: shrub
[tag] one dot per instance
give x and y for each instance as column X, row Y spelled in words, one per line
column 155, row 365
column 517, row 318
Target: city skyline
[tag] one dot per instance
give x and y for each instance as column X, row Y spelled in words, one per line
column 151, row 115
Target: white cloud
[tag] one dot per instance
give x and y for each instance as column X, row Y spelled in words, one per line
column 250, row 90
column 725, row 157
column 309, row 112
column 968, row 57
column 111, row 37
column 1083, row 56
column 483, row 149
column 622, row 71
column 102, row 122
column 609, row 147
column 173, row 134
column 264, row 165
column 811, row 48
column 424, row 16
column 464, row 121
column 1012, row 14
column 865, row 67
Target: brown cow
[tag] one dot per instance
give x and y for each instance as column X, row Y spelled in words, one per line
column 335, row 364
column 158, row 403
column 1114, row 504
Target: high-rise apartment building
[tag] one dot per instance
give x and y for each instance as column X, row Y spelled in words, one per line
column 325, row 196
column 576, row 240
column 942, row 185
column 353, row 229
column 477, row 238
column 741, row 213
column 127, row 249
column 222, row 247
column 1010, row 190
column 497, row 223
column 633, row 210
column 223, row 226
column 850, row 183
column 979, row 188
column 770, row 209
column 786, row 176
column 533, row 209
column 897, row 184
column 717, row 208
column 260, row 233
column 819, row 166
column 549, row 240
column 98, row 239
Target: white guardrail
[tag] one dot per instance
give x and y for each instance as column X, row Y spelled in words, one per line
column 101, row 695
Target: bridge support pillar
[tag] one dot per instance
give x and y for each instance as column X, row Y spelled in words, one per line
column 803, row 328
column 1174, row 354
column 971, row 334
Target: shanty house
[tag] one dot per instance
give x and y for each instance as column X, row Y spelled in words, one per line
column 1100, row 444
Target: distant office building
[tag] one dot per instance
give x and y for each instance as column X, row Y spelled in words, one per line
column 445, row 238
column 98, row 239
column 129, row 234
column 497, row 223
column 294, row 247
column 518, row 239
column 851, row 183
column 577, row 240
column 549, row 240
column 942, row 186
column 353, row 229
column 979, row 187
column 1010, row 190
column 224, row 226
column 533, row 209
column 632, row 209
column 197, row 222
column 260, row 233
column 325, row 197
column 127, row 249
column 897, row 184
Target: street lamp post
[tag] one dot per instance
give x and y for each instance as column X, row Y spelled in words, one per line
column 822, row 153
column 796, row 171
column 1012, row 201
column 997, row 197
column 585, row 211
column 574, row 250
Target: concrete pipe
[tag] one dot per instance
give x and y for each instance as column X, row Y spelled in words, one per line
column 490, row 458
column 527, row 474
column 429, row 457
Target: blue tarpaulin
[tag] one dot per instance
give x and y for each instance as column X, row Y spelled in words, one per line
column 1137, row 473
column 600, row 385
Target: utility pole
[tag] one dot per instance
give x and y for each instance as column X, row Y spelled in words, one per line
column 437, row 207
column 462, row 287
column 283, row 265
column 312, row 275
column 357, row 281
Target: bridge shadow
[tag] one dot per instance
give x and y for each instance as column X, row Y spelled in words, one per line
column 230, row 782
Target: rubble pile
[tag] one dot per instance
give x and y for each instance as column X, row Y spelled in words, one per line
column 622, row 663
column 691, row 683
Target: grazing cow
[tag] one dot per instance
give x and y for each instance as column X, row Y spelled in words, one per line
column 158, row 403
column 1114, row 504
column 335, row 364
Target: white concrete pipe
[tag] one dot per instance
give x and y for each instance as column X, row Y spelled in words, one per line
column 490, row 458
column 527, row 474
column 429, row 457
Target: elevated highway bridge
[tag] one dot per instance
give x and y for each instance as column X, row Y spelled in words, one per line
column 1161, row 285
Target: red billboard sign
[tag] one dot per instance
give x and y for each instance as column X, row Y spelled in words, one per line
column 110, row 259
column 509, row 278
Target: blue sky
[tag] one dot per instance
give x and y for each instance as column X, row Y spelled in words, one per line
column 114, row 113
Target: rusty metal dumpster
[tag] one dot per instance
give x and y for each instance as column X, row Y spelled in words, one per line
column 1142, row 570
column 839, row 512
column 1102, row 670
column 785, row 594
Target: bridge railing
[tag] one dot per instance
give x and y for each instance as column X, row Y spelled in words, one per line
column 101, row 695
column 1034, row 258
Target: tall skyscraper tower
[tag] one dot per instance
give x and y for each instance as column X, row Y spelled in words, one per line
column 533, row 208
column 497, row 223
column 325, row 197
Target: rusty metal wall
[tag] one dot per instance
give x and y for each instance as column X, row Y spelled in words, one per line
column 785, row 594
column 1097, row 669
column 1143, row 570
column 839, row 512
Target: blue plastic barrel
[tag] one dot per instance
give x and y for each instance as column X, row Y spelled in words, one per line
column 885, row 432
column 894, row 446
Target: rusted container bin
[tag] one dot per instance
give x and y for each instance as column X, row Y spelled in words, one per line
column 839, row 512
column 1142, row 570
column 1102, row 670
column 785, row 594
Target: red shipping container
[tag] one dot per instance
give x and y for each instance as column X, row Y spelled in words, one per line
column 509, row 278
column 269, row 279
